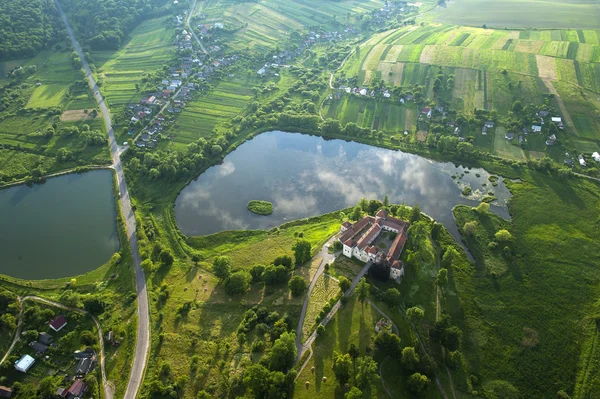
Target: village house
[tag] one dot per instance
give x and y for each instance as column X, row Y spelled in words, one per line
column 5, row 392
column 509, row 136
column 58, row 324
column 596, row 156
column 358, row 238
column 582, row 161
column 551, row 140
column 426, row 111
column 536, row 128
column 24, row 363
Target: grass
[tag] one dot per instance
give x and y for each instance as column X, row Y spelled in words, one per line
column 353, row 324
column 260, row 207
column 325, row 289
column 554, row 225
column 552, row 14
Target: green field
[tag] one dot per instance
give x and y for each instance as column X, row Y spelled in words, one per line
column 149, row 49
column 266, row 24
column 555, row 14
column 539, row 339
column 325, row 289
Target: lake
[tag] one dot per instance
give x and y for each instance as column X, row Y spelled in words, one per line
column 305, row 176
column 64, row 227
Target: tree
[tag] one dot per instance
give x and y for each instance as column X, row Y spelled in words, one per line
column 470, row 228
column 410, row 358
column 284, row 260
column 483, row 208
column 354, row 393
column 392, row 297
column 222, row 267
column 8, row 322
column 442, row 277
column 449, row 257
column 47, row 388
column 356, row 213
column 166, row 257
column 366, row 372
column 415, row 314
column 257, row 272
column 301, row 251
column 255, row 378
column 283, row 353
column 418, row 383
column 386, row 201
column 342, row 364
column 238, row 283
column 415, row 214
column 344, row 283
column 362, row 290
column 297, row 285
column 517, row 107
column 451, row 338
column 147, row 265
column 503, row 236
column 387, row 343
column 275, row 274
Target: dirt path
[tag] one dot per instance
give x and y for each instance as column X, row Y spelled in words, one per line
column 108, row 386
column 561, row 105
column 326, row 257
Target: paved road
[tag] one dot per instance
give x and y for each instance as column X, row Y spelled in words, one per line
column 187, row 22
column 108, row 388
column 143, row 328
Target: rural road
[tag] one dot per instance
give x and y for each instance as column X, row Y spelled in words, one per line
column 326, row 258
column 108, row 388
column 143, row 329
column 187, row 22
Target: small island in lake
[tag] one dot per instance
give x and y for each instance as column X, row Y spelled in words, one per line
column 260, row 207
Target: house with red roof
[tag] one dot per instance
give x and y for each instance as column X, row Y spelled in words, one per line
column 358, row 240
column 58, row 323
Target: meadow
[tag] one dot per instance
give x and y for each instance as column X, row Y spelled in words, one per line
column 525, row 322
column 553, row 14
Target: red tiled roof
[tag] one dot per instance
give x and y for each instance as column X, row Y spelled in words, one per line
column 369, row 236
column 425, row 110
column 382, row 213
column 58, row 323
column 372, row 249
column 397, row 265
column 347, row 225
column 77, row 388
column 397, row 246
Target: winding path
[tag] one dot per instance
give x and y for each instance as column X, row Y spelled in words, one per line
column 143, row 329
column 108, row 387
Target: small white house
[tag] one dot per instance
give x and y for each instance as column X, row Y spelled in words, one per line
column 596, row 156
column 536, row 128
column 582, row 161
column 556, row 119
column 24, row 363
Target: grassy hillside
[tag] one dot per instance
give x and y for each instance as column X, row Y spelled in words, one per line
column 521, row 13
column 530, row 308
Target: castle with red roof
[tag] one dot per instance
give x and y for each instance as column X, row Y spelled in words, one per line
column 358, row 239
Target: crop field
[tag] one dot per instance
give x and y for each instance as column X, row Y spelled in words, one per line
column 584, row 108
column 213, row 110
column 385, row 116
column 325, row 289
column 556, row 14
column 149, row 49
column 568, row 55
column 264, row 25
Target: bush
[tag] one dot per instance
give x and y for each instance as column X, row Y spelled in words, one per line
column 320, row 329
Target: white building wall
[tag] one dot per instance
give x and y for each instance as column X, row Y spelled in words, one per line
column 347, row 251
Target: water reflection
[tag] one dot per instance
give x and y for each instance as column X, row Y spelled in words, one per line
column 306, row 175
column 64, row 227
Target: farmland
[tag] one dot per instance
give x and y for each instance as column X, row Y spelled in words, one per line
column 122, row 73
column 265, row 25
column 553, row 14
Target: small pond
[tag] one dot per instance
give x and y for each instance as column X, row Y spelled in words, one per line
column 306, row 175
column 64, row 227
